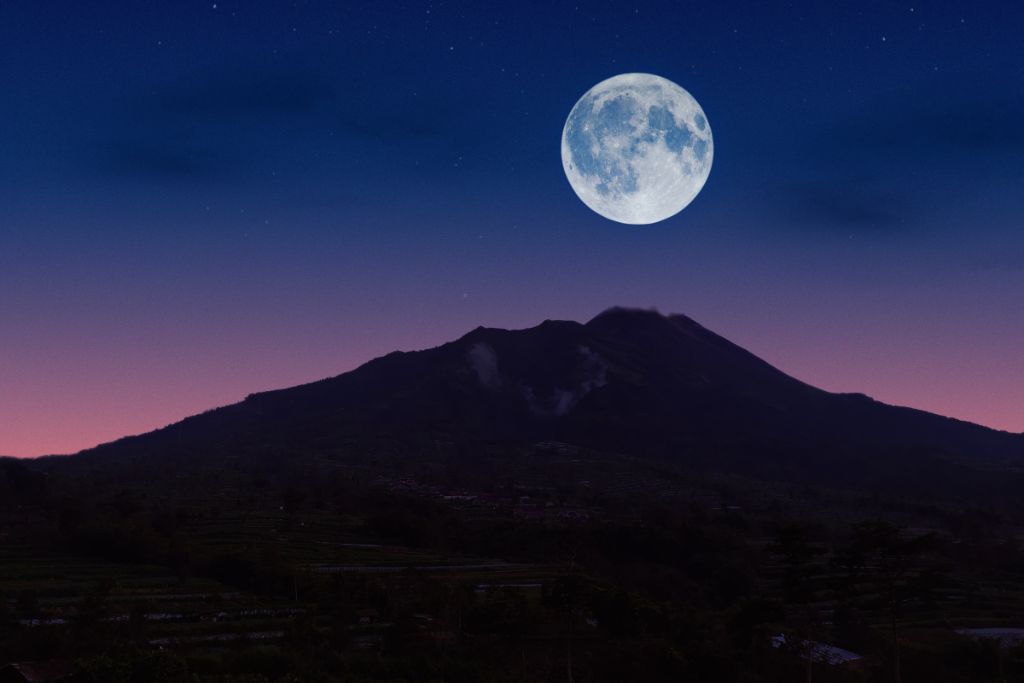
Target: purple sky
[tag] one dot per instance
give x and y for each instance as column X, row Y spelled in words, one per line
column 197, row 203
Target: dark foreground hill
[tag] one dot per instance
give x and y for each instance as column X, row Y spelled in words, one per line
column 635, row 499
column 628, row 381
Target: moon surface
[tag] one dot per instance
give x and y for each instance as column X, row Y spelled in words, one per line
column 637, row 148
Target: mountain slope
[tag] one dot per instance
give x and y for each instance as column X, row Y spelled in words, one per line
column 630, row 381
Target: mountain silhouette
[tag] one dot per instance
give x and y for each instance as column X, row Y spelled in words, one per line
column 628, row 381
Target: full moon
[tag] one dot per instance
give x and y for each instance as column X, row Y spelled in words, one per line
column 637, row 148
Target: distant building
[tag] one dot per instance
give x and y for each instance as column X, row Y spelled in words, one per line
column 819, row 652
column 367, row 641
column 556, row 447
column 39, row 672
column 1006, row 637
column 368, row 616
column 459, row 497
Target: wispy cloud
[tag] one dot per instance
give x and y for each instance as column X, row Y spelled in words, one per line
column 218, row 125
column 847, row 204
column 880, row 169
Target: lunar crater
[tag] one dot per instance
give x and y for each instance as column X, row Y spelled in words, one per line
column 637, row 148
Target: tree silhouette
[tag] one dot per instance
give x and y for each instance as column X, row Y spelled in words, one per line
column 889, row 559
column 799, row 555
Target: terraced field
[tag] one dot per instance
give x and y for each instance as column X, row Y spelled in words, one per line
column 58, row 592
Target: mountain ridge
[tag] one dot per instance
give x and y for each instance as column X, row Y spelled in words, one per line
column 628, row 380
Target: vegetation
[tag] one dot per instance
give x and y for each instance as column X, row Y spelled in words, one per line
column 492, row 563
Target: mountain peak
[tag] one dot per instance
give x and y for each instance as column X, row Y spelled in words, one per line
column 643, row 318
column 625, row 314
column 629, row 380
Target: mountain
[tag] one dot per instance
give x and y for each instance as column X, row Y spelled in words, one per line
column 628, row 381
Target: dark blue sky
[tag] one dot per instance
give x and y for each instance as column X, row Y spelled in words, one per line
column 199, row 200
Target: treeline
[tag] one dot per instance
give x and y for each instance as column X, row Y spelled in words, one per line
column 663, row 593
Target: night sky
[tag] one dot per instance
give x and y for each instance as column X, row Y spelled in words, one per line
column 200, row 200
